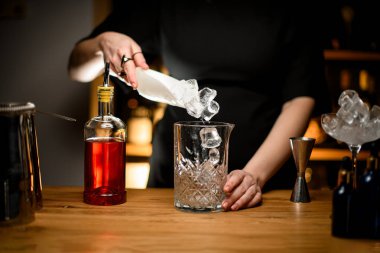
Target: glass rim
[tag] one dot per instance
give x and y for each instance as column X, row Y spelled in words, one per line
column 203, row 123
column 16, row 107
column 301, row 138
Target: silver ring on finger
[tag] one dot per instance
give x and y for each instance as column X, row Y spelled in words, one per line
column 125, row 59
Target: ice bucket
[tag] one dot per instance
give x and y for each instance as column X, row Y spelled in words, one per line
column 20, row 180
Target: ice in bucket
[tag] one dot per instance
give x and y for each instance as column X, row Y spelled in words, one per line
column 200, row 164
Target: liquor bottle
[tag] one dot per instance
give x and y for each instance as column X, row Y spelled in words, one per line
column 369, row 195
column 342, row 194
column 105, row 139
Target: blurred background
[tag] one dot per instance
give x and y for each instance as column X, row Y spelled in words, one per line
column 37, row 37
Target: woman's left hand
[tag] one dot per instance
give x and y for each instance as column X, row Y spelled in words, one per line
column 242, row 191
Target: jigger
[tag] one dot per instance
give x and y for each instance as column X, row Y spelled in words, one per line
column 301, row 149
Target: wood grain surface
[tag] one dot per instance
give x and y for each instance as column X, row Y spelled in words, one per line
column 148, row 222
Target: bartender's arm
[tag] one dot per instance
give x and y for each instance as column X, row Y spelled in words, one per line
column 87, row 58
column 243, row 187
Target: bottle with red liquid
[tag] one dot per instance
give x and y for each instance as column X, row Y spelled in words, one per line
column 105, row 138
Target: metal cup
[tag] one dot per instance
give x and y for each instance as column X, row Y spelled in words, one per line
column 20, row 178
column 301, row 149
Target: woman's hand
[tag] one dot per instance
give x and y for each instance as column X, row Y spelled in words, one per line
column 242, row 191
column 114, row 47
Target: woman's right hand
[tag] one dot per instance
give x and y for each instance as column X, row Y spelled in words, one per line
column 114, row 47
column 242, row 191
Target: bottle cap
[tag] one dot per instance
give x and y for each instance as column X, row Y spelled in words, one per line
column 342, row 174
column 105, row 93
column 344, row 171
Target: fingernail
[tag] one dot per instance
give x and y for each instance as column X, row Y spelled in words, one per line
column 234, row 207
column 225, row 204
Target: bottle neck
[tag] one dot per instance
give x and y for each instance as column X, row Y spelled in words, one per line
column 345, row 172
column 373, row 159
column 104, row 108
column 105, row 95
column 342, row 175
column 349, row 178
column 372, row 164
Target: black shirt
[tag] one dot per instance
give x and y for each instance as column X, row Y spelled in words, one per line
column 256, row 56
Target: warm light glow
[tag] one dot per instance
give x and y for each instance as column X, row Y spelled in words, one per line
column 315, row 131
column 139, row 130
column 136, row 175
column 364, row 80
column 308, row 174
column 345, row 79
column 335, row 154
column 138, row 150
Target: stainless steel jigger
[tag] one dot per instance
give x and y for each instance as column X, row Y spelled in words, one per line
column 301, row 148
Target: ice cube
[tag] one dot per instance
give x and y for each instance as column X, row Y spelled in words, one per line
column 206, row 95
column 362, row 113
column 331, row 124
column 375, row 113
column 193, row 84
column 194, row 108
column 214, row 156
column 347, row 98
column 185, row 91
column 210, row 110
column 352, row 109
column 210, row 137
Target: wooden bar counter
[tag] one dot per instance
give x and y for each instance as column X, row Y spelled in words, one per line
column 148, row 222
